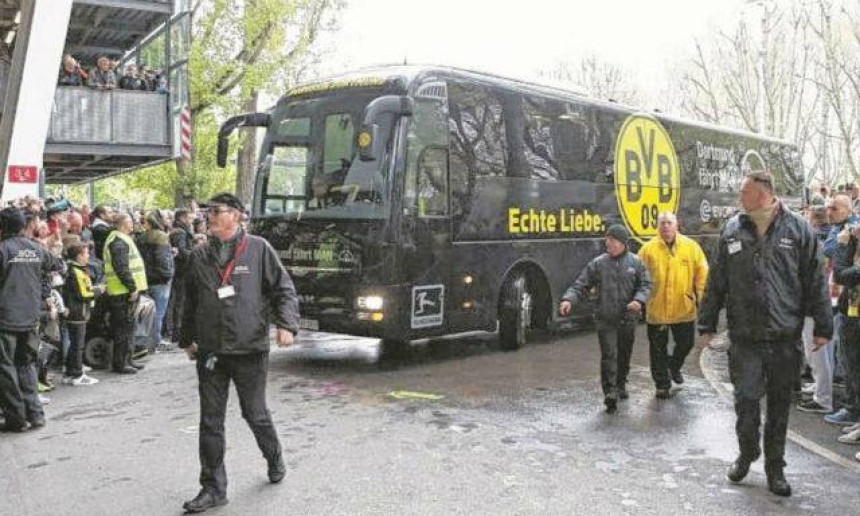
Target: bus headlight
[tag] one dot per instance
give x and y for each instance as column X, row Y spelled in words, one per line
column 370, row 303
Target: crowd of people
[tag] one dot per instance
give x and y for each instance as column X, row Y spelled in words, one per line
column 96, row 264
column 104, row 76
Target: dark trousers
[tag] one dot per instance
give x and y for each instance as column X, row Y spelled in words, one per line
column 850, row 345
column 75, row 354
column 121, row 314
column 759, row 369
column 616, row 345
column 19, row 395
column 173, row 319
column 248, row 373
column 663, row 364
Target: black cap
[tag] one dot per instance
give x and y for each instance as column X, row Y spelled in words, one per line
column 12, row 221
column 225, row 199
column 618, row 232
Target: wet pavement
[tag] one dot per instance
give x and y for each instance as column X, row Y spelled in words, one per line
column 451, row 428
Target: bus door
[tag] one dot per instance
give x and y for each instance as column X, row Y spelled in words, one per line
column 426, row 222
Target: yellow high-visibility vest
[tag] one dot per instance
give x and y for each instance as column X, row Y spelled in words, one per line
column 114, row 286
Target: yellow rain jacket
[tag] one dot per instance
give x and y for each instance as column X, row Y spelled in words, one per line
column 679, row 277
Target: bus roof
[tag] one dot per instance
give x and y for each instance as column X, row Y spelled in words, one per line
column 409, row 73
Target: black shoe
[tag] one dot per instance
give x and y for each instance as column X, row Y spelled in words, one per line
column 662, row 394
column 677, row 377
column 125, row 370
column 777, row 484
column 622, row 393
column 10, row 428
column 206, row 499
column 611, row 404
column 37, row 423
column 277, row 469
column 739, row 470
column 136, row 365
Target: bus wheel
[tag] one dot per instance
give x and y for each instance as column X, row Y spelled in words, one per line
column 97, row 353
column 514, row 313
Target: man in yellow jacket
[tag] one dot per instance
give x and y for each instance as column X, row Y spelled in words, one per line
column 679, row 271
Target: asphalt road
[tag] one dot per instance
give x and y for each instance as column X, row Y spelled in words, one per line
column 513, row 433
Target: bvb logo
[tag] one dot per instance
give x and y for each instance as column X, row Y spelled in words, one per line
column 647, row 176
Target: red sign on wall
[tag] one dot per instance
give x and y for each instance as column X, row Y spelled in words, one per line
column 23, row 174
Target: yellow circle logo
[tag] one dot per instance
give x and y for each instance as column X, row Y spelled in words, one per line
column 364, row 139
column 647, row 175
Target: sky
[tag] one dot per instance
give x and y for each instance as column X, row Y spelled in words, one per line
column 647, row 37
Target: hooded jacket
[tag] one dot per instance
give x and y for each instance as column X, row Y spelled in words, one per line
column 768, row 285
column 618, row 281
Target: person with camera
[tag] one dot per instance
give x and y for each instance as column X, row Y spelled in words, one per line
column 769, row 275
column 235, row 286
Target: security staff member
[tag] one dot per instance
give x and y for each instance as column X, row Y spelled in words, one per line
column 623, row 288
column 125, row 275
column 235, row 287
column 769, row 275
column 24, row 266
column 679, row 271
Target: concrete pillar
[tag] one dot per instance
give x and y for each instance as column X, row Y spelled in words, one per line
column 30, row 94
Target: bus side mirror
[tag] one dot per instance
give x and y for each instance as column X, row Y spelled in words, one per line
column 246, row 120
column 370, row 143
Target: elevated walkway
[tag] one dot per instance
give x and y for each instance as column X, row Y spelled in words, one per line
column 88, row 134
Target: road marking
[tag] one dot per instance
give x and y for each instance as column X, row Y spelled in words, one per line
column 725, row 391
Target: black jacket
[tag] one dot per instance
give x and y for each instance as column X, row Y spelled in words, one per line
column 79, row 308
column 24, row 287
column 100, row 231
column 618, row 282
column 182, row 240
column 769, row 284
column 264, row 294
column 846, row 273
column 157, row 256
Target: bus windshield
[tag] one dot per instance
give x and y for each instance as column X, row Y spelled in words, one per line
column 312, row 169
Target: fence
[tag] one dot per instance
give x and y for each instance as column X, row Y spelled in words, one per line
column 82, row 115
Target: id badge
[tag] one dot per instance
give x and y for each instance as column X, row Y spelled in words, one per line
column 734, row 247
column 226, row 292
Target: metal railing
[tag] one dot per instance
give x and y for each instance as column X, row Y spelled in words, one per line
column 83, row 115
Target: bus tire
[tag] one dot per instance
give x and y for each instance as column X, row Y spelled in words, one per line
column 514, row 312
column 98, row 352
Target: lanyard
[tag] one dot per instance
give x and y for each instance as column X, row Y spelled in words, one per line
column 228, row 270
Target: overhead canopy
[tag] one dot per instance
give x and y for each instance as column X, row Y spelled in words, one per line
column 112, row 27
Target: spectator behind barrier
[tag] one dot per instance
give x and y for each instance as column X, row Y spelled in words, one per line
column 102, row 77
column 72, row 74
column 132, row 79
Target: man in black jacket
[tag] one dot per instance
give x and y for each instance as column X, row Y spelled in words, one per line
column 101, row 228
column 235, row 286
column 769, row 275
column 181, row 243
column 624, row 286
column 24, row 288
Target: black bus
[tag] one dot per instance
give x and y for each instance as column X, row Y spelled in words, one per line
column 417, row 202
